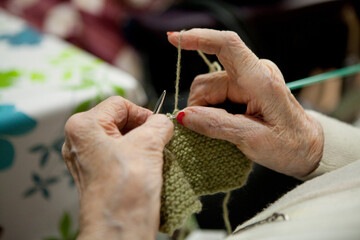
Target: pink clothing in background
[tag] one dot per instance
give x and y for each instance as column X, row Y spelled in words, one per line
column 93, row 25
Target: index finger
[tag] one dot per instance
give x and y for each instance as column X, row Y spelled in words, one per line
column 119, row 114
column 114, row 116
column 231, row 51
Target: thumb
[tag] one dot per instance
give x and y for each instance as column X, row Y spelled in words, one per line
column 155, row 133
column 218, row 123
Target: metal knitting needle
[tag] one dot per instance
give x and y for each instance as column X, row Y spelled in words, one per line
column 159, row 102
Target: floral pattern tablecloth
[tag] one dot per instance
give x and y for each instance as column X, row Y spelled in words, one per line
column 43, row 80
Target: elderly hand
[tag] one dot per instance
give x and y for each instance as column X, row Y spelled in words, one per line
column 115, row 154
column 275, row 131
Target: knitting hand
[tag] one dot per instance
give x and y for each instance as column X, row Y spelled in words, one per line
column 115, row 154
column 275, row 131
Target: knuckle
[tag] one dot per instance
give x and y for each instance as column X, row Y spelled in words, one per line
column 167, row 122
column 271, row 67
column 197, row 88
column 232, row 38
column 157, row 133
column 114, row 99
column 163, row 119
column 200, row 79
column 199, row 82
column 274, row 85
column 194, row 100
column 280, row 88
column 67, row 154
column 73, row 123
column 272, row 77
column 163, row 122
column 76, row 123
column 111, row 102
column 65, row 151
column 211, row 98
column 268, row 63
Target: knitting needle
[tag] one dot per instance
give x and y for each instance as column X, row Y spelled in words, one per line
column 159, row 102
column 342, row 72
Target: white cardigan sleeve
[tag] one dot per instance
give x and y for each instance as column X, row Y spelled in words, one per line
column 341, row 146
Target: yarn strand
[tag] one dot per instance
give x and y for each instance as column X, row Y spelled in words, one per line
column 206, row 60
column 213, row 66
column 184, row 158
column 178, row 68
column 226, row 213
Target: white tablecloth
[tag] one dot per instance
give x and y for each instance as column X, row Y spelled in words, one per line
column 43, row 80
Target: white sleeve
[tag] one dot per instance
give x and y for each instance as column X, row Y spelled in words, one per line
column 341, row 145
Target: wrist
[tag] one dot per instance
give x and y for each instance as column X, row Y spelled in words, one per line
column 316, row 146
column 130, row 215
column 130, row 225
column 100, row 231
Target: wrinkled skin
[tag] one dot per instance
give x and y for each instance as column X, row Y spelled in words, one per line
column 115, row 150
column 115, row 154
column 275, row 132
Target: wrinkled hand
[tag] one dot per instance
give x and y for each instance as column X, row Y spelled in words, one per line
column 115, row 154
column 275, row 131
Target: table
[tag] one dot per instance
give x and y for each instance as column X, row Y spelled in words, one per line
column 44, row 80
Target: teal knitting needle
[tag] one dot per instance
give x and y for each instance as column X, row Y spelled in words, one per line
column 342, row 72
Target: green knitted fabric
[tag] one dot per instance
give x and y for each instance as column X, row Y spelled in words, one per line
column 196, row 165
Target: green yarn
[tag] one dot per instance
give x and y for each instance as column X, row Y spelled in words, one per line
column 196, row 165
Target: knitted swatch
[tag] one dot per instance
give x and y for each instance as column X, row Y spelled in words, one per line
column 196, row 165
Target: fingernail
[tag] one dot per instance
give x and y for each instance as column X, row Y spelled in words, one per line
column 169, row 33
column 180, row 117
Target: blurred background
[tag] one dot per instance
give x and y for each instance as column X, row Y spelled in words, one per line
column 303, row 37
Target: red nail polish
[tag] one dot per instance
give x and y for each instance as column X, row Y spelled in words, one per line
column 180, row 117
column 169, row 33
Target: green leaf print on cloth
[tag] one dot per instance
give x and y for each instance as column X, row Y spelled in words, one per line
column 8, row 78
column 65, row 229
